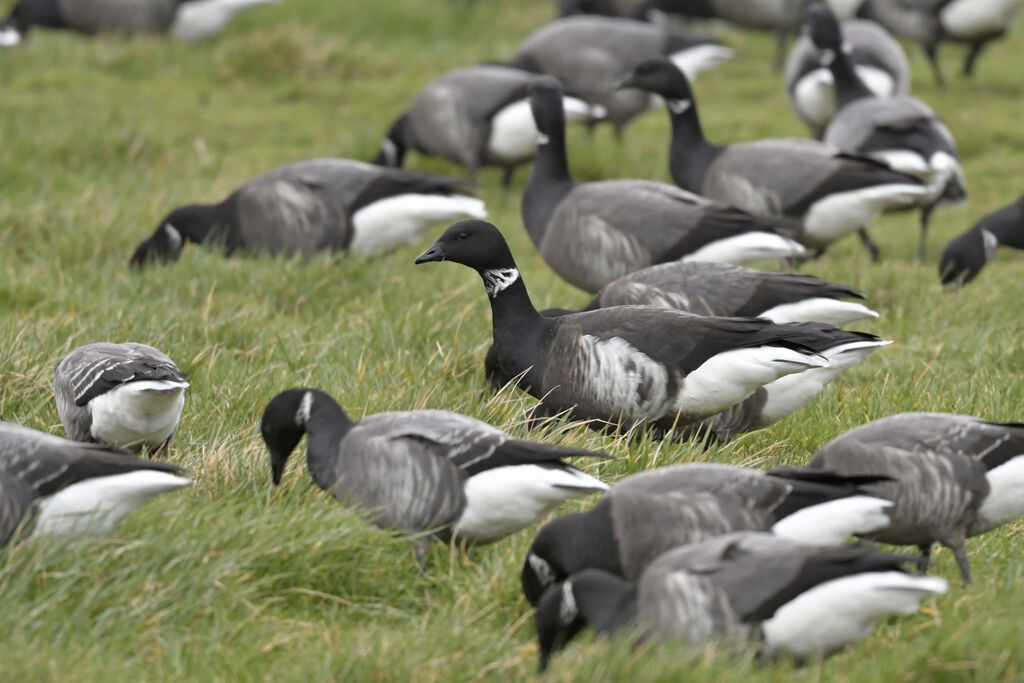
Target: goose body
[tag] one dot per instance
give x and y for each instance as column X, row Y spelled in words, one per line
column 965, row 255
column 424, row 470
column 122, row 395
column 201, row 19
column 79, row 488
column 311, row 206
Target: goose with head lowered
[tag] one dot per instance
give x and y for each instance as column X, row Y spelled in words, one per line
column 950, row 477
column 831, row 193
column 311, row 206
column 66, row 487
column 627, row 364
column 900, row 131
column 789, row 598
column 424, row 470
column 965, row 256
column 592, row 233
column 646, row 514
column 123, row 395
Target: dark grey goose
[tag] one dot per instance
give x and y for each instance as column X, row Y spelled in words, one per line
column 745, row 587
column 951, row 476
column 591, row 54
column 63, row 486
column 122, row 395
column 646, row 514
column 965, row 255
column 424, row 470
column 593, row 233
column 831, row 193
column 311, row 206
column 630, row 9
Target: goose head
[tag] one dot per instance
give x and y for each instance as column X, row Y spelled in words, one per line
column 964, row 257
column 546, row 105
column 283, row 424
column 824, row 31
column 166, row 243
column 473, row 243
column 662, row 77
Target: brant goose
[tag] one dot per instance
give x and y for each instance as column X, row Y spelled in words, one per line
column 316, row 205
column 123, row 395
column 965, row 256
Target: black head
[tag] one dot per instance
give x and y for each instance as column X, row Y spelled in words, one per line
column 662, row 77
column 392, row 146
column 823, row 28
column 473, row 243
column 557, row 620
column 966, row 255
column 163, row 246
column 546, row 105
column 284, row 423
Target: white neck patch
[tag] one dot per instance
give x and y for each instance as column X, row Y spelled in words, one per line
column 567, row 609
column 542, row 569
column 173, row 235
column 542, row 139
column 498, row 280
column 305, row 405
column 827, row 57
column 989, row 242
column 390, row 151
column 678, row 106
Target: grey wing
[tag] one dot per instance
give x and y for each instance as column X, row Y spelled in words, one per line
column 873, row 46
column 123, row 16
column 289, row 216
column 675, row 604
column 753, row 485
column 883, row 124
column 696, row 287
column 16, row 498
column 462, row 440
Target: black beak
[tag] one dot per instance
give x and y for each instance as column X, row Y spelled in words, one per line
column 435, row 253
column 626, row 82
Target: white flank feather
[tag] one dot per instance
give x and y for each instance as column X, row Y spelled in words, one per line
column 693, row 60
column 833, row 523
column 841, row 213
column 396, row 221
column 815, row 97
column 750, row 247
column 144, row 412
column 201, row 19
column 1005, row 501
column 819, row 309
column 975, row 18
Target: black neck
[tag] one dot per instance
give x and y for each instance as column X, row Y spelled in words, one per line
column 585, row 540
column 1007, row 225
column 518, row 331
column 205, row 223
column 690, row 153
column 29, row 13
column 326, row 426
column 549, row 182
column 400, row 138
column 849, row 87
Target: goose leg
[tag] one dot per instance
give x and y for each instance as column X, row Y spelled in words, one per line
column 420, row 550
column 932, row 51
column 869, row 244
column 924, row 559
column 506, row 177
column 972, row 56
column 960, row 553
column 926, row 217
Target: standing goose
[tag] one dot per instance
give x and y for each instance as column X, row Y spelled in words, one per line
column 475, row 116
column 950, row 476
column 965, row 256
column 790, row 598
column 79, row 488
column 591, row 54
column 901, row 132
column 831, row 193
column 310, row 206
column 879, row 60
column 627, row 364
column 592, row 233
column 122, row 395
column 424, row 470
column 648, row 513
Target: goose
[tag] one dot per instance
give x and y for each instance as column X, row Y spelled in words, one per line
column 474, row 116
column 315, row 205
column 424, row 470
column 900, row 131
column 974, row 23
column 831, row 193
column 186, row 20
column 645, row 514
column 879, row 60
column 951, row 477
column 789, row 598
column 592, row 233
column 627, row 364
column 122, row 395
column 965, row 256
column 632, row 9
column 591, row 54
column 72, row 487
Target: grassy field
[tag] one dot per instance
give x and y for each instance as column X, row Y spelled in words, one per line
column 235, row 580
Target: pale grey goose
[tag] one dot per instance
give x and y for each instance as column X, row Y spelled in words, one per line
column 965, row 255
column 316, row 205
column 424, row 470
column 71, row 487
column 123, row 395
column 744, row 587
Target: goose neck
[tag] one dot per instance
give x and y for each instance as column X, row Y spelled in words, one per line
column 690, row 153
column 849, row 87
column 549, row 182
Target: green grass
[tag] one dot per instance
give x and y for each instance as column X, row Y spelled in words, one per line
column 234, row 580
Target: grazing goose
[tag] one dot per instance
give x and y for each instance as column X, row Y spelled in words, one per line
column 591, row 54
column 628, row 364
column 951, row 476
column 592, row 233
column 965, row 256
column 647, row 513
column 79, row 488
column 831, row 193
column 186, row 20
column 475, row 116
column 789, row 598
column 424, row 470
column 122, row 395
column 879, row 60
column 310, row 206
column 900, row 131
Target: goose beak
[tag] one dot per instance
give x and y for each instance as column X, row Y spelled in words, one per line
column 626, row 82
column 435, row 253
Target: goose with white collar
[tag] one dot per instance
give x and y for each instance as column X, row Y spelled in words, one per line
column 965, row 255
column 646, row 514
column 744, row 587
column 475, row 116
column 627, row 364
column 950, row 477
column 591, row 54
column 831, row 193
column 122, row 395
column 592, row 233
column 424, row 470
column 878, row 58
column 65, row 487
column 900, row 131
column 311, row 206
column 186, row 20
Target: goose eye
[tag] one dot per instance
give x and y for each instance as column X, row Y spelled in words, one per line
column 462, row 235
